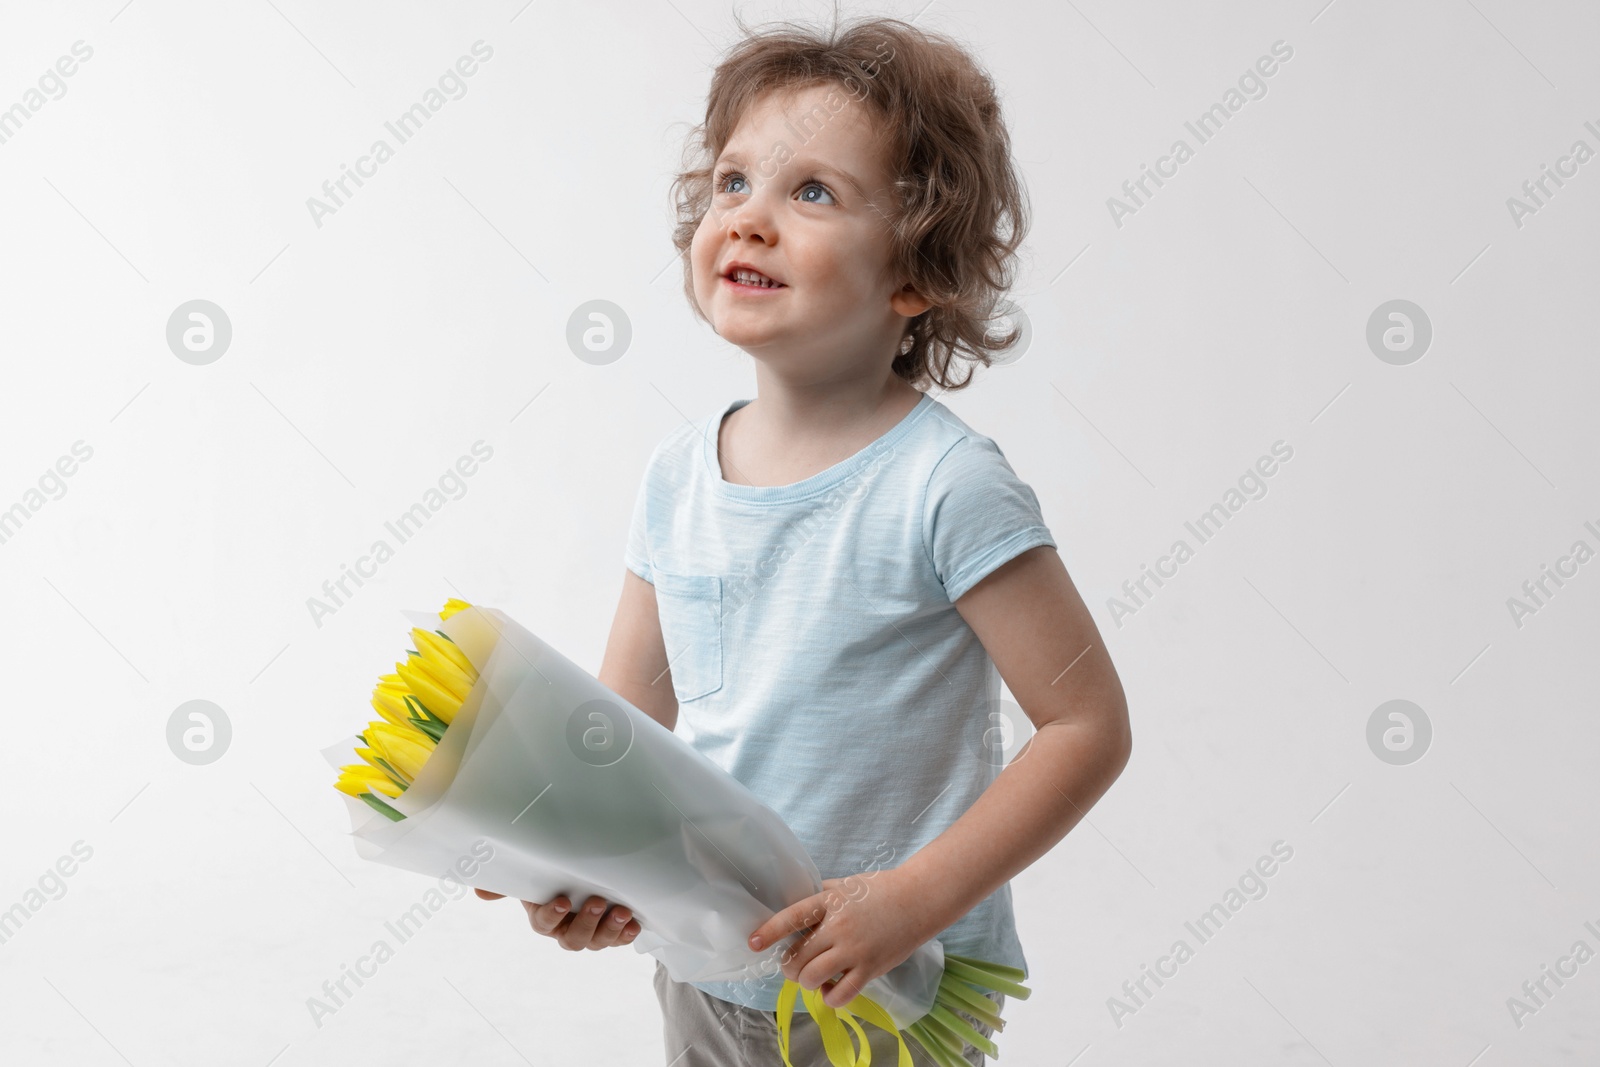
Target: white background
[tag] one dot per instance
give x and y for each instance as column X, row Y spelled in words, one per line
column 1168, row 354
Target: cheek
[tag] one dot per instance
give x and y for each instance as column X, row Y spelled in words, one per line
column 843, row 273
column 702, row 253
column 697, row 269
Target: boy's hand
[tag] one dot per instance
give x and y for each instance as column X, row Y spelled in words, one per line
column 588, row 928
column 861, row 927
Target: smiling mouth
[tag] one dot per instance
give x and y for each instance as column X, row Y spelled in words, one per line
column 747, row 288
column 753, row 282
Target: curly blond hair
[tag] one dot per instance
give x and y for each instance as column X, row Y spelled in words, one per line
column 959, row 209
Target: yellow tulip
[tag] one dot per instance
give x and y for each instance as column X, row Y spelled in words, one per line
column 372, row 756
column 358, row 778
column 445, row 674
column 352, row 786
column 452, row 606
column 362, row 770
column 405, row 751
column 433, row 696
column 436, row 648
column 404, row 722
column 390, row 706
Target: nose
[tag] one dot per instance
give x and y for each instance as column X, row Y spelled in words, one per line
column 750, row 219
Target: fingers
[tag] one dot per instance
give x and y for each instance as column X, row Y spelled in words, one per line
column 584, row 923
column 800, row 954
column 600, row 925
column 821, row 972
column 546, row 918
column 597, row 924
column 842, row 990
column 794, row 918
column 484, row 894
column 618, row 927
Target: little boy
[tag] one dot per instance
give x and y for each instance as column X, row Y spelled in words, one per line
column 827, row 582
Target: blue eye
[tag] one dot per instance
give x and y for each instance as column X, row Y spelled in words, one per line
column 816, row 185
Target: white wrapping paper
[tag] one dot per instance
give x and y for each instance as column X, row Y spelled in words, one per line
column 579, row 793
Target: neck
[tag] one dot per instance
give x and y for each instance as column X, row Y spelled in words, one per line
column 795, row 411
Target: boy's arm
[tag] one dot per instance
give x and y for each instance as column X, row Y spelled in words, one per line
column 1044, row 643
column 635, row 663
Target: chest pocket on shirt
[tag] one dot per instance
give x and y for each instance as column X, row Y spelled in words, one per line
column 690, row 607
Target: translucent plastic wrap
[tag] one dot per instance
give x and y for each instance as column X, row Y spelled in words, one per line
column 579, row 793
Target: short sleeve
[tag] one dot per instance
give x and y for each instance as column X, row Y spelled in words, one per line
column 977, row 515
column 637, row 555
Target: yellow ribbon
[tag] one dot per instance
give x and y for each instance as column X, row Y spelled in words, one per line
column 831, row 1022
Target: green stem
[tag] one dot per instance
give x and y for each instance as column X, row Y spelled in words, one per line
column 962, row 1029
column 969, row 1000
column 936, row 1049
column 1016, row 974
column 979, row 976
column 942, row 1033
column 382, row 808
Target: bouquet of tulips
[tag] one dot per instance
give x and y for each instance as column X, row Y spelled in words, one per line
column 398, row 744
column 487, row 734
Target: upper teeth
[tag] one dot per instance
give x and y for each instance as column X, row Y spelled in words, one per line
column 750, row 277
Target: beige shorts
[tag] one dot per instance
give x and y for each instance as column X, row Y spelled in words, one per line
column 705, row 1031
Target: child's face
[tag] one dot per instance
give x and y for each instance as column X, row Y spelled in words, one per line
column 783, row 201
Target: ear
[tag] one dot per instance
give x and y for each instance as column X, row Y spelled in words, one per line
column 908, row 302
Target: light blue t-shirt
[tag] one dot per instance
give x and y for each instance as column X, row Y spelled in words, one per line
column 815, row 647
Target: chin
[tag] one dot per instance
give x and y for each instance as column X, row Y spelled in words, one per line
column 746, row 335
column 743, row 338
